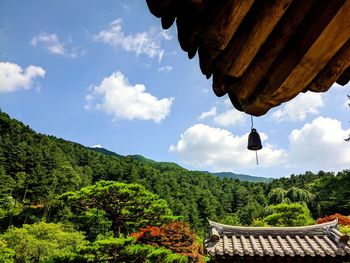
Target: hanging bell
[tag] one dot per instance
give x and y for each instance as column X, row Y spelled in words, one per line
column 254, row 142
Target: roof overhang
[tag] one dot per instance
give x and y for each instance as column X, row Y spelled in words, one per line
column 263, row 53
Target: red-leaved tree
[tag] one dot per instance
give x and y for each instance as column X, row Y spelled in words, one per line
column 342, row 220
column 176, row 236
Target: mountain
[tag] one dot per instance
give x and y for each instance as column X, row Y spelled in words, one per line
column 243, row 177
column 36, row 169
column 105, row 151
column 175, row 166
column 159, row 165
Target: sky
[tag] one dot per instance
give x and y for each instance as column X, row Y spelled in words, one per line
column 103, row 73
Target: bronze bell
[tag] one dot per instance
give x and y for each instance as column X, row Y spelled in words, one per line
column 254, row 142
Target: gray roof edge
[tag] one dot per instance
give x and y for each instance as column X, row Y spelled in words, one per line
column 318, row 229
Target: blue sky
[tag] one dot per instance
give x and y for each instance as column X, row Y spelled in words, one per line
column 105, row 73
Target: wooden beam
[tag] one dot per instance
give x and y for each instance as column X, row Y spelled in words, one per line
column 189, row 23
column 331, row 39
column 159, row 7
column 344, row 78
column 298, row 45
column 271, row 49
column 167, row 20
column 205, row 63
column 264, row 22
column 333, row 70
column 335, row 35
column 225, row 23
column 219, row 86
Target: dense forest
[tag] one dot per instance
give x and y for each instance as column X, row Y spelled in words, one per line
column 63, row 202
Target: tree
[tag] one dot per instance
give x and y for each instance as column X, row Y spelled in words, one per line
column 176, row 236
column 333, row 193
column 292, row 195
column 122, row 250
column 342, row 219
column 294, row 214
column 295, row 194
column 278, row 195
column 128, row 206
column 7, row 183
column 230, row 219
column 41, row 242
column 6, row 254
column 249, row 212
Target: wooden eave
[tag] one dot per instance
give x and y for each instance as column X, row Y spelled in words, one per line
column 263, row 53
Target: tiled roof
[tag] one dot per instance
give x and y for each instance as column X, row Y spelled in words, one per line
column 317, row 240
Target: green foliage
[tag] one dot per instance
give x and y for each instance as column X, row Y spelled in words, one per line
column 6, row 254
column 147, row 253
column 230, row 219
column 128, row 206
column 294, row 214
column 295, row 194
column 292, row 195
column 122, row 250
column 41, row 242
column 278, row 195
column 259, row 223
column 93, row 222
column 249, row 212
column 36, row 169
column 345, row 230
column 332, row 193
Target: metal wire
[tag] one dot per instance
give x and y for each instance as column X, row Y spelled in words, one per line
column 256, row 152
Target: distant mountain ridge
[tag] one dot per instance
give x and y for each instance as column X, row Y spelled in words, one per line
column 241, row 177
column 146, row 160
column 105, row 151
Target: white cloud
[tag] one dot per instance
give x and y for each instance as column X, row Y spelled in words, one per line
column 126, row 7
column 13, row 77
column 118, row 98
column 165, row 69
column 347, row 102
column 205, row 147
column 337, row 86
column 147, row 43
column 317, row 145
column 55, row 46
column 226, row 118
column 207, row 114
column 297, row 109
column 320, row 145
column 230, row 118
column 96, row 146
column 165, row 34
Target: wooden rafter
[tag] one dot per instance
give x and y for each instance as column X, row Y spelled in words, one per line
column 263, row 53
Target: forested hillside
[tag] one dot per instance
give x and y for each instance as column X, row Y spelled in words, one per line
column 100, row 199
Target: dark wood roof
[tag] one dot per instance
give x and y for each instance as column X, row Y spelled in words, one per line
column 322, row 240
column 263, row 53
